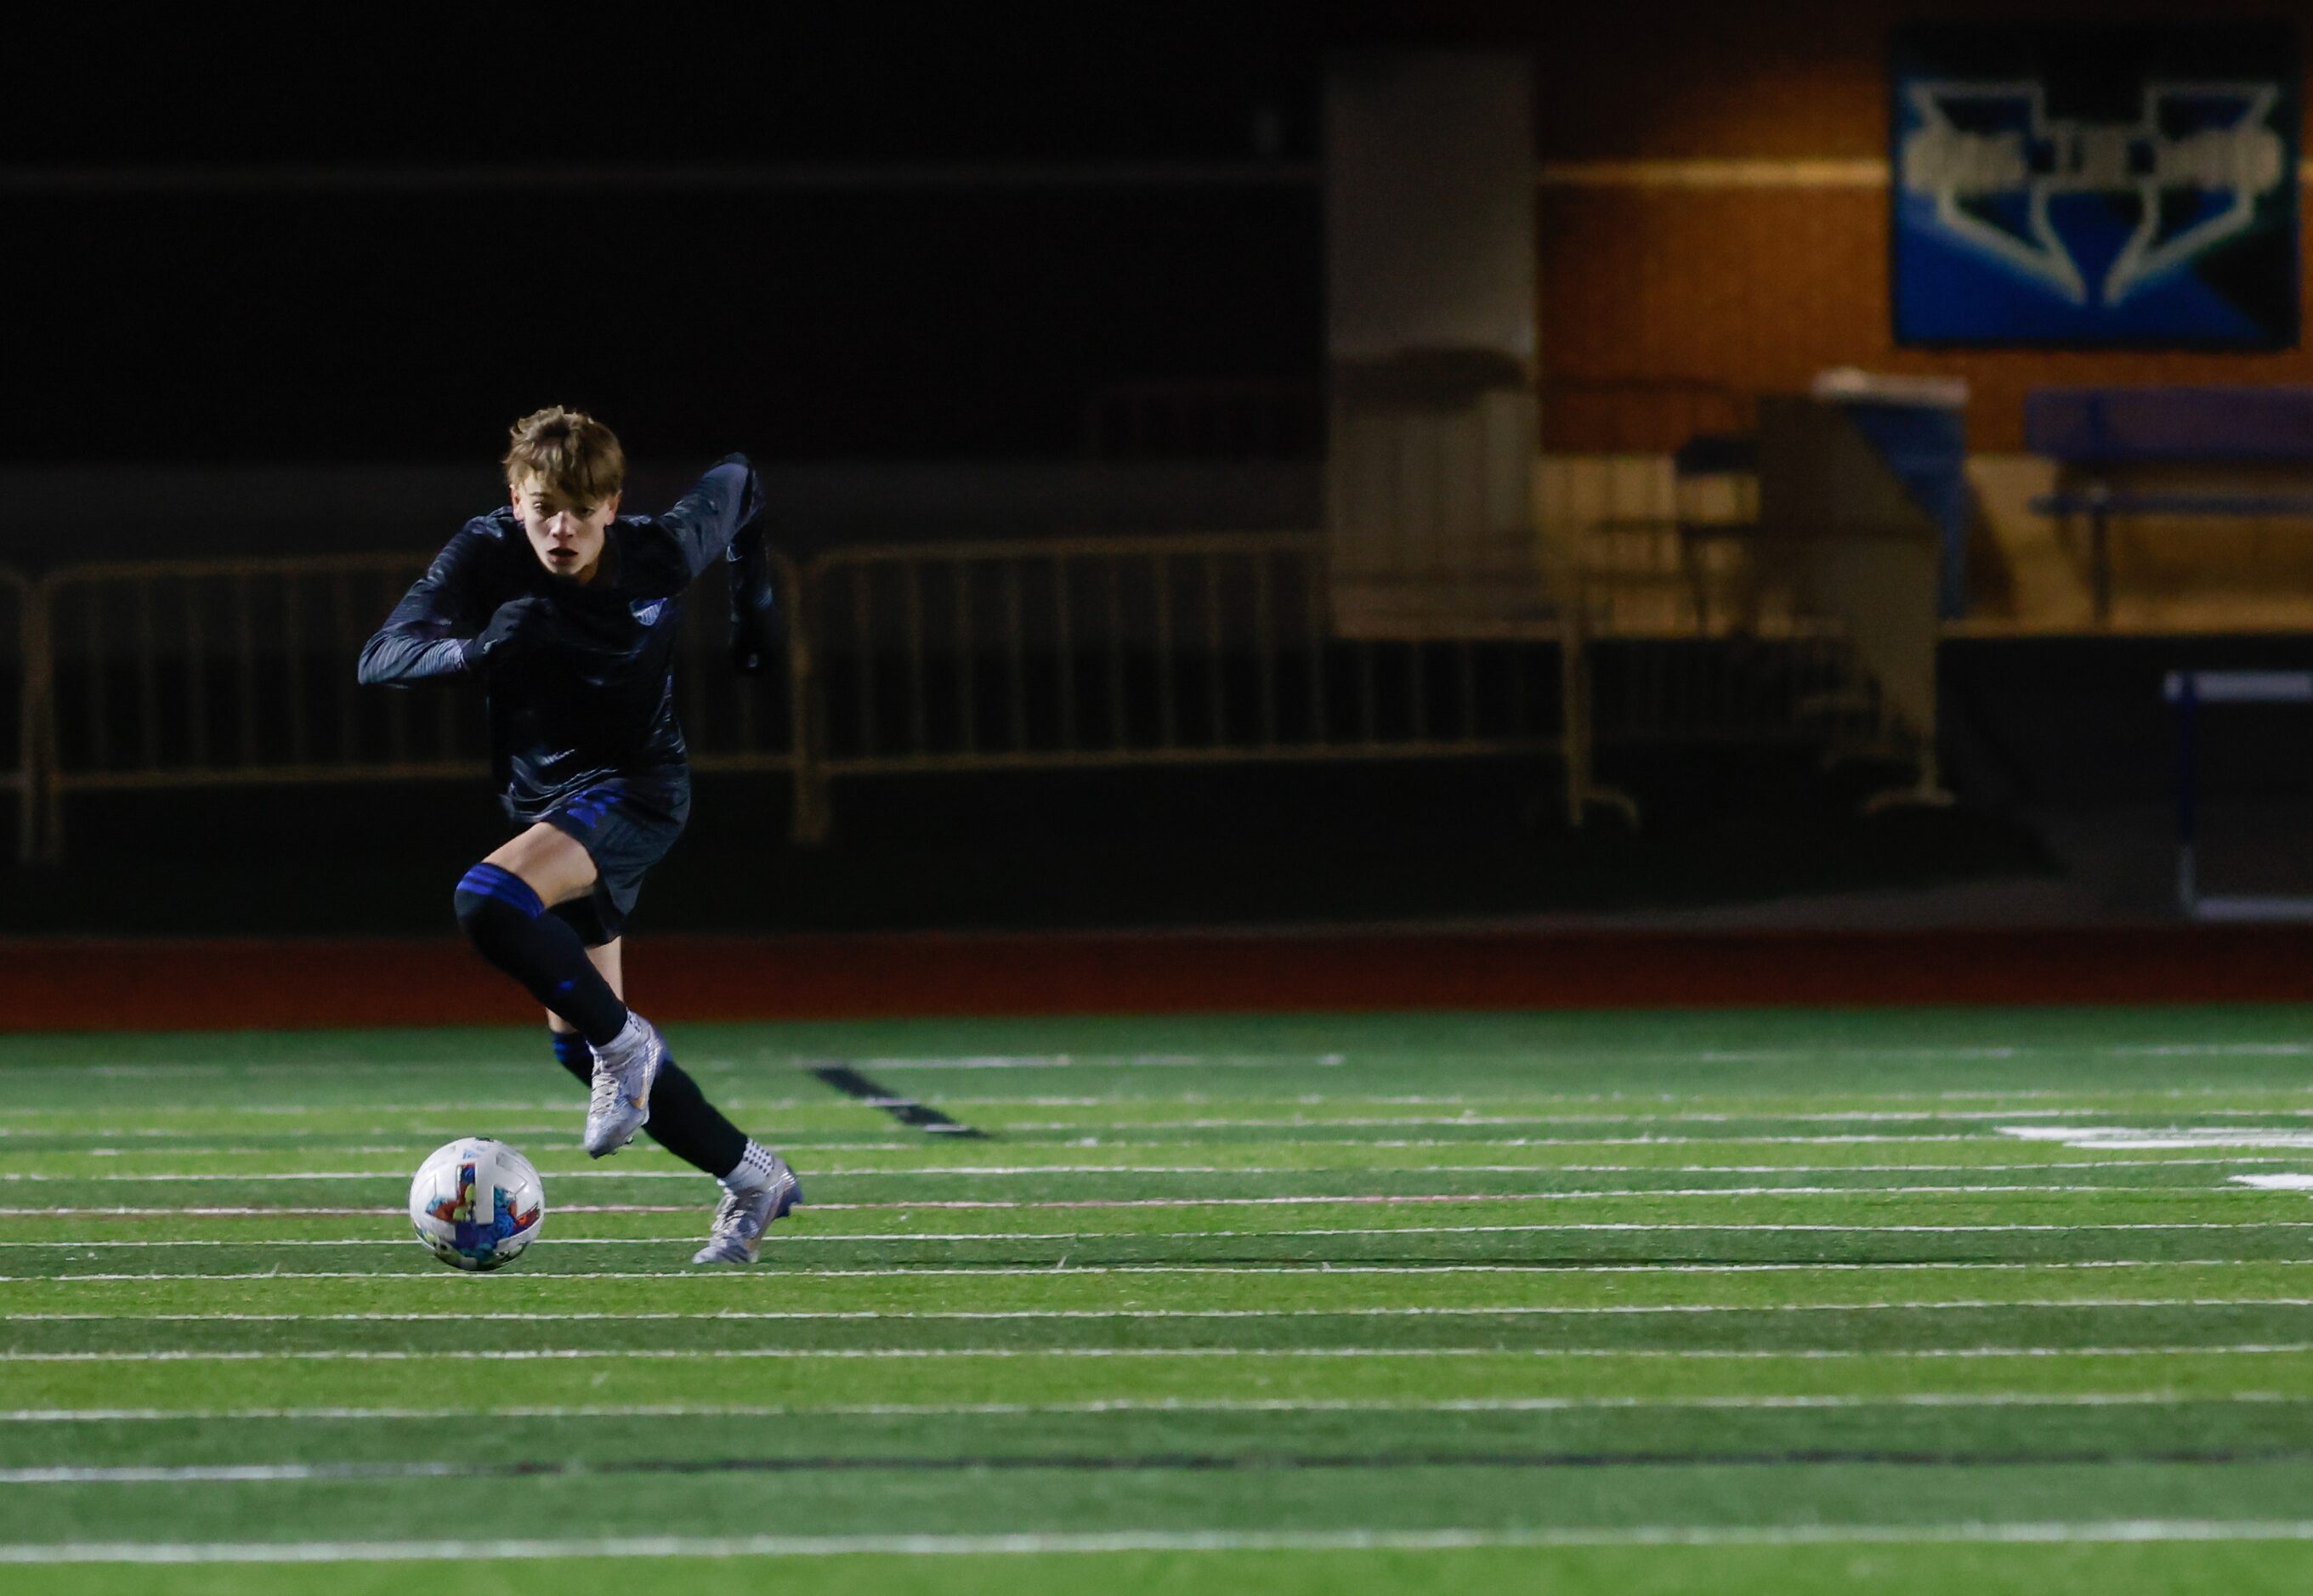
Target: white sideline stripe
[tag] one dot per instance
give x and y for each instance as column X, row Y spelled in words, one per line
column 1014, row 1171
column 869, row 1314
column 408, row 1149
column 928, row 1237
column 1591, row 1194
column 399, row 1110
column 526, row 1355
column 224, row 1473
column 1256, row 1122
column 2046, row 1167
column 2128, row 1531
column 912, row 1272
column 2139, row 1139
column 1694, row 1117
column 2282, row 1182
column 44, row 1416
column 2277, row 1182
column 381, row 1213
column 2052, row 1166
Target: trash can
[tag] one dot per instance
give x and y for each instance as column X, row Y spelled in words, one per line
column 1919, row 426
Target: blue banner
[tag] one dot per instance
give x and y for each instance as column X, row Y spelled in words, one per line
column 2110, row 188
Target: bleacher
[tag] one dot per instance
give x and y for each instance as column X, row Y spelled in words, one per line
column 2229, row 453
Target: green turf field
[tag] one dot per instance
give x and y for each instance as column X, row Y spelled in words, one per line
column 1939, row 1300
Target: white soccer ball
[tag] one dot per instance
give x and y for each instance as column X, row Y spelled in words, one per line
column 475, row 1204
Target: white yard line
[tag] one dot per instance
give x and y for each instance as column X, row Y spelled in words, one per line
column 464, row 1282
column 928, row 1237
column 2125, row 1532
column 401, row 1111
column 1006, row 1171
column 2249, row 1186
column 1555, row 1267
column 2276, row 1182
column 870, row 1315
column 1820, row 1117
column 522, row 1355
column 2158, row 1139
column 1994, row 1399
column 1296, row 1122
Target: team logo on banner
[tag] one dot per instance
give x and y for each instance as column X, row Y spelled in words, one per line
column 2128, row 188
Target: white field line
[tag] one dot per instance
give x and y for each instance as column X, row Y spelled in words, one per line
column 2120, row 1532
column 1468, row 1118
column 400, row 1111
column 1993, row 1399
column 2050, row 1167
column 427, row 1144
column 2273, row 1182
column 2126, row 1138
column 228, row 1474
column 2123, row 1531
column 1607, row 1057
column 1002, row 1171
column 927, row 1237
column 760, row 1071
column 996, row 1270
column 465, row 1282
column 523, row 1355
column 1592, row 1194
column 1480, row 1100
column 1818, row 1117
column 1371, row 1199
column 868, row 1315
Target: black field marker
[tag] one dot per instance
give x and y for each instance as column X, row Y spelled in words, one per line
column 907, row 1110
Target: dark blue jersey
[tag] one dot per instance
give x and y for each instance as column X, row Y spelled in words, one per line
column 592, row 697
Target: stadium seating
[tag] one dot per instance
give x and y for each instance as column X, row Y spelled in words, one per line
column 2170, row 451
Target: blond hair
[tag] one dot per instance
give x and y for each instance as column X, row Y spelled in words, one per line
column 569, row 451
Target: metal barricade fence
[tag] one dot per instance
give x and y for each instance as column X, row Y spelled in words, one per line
column 1115, row 652
column 923, row 659
column 161, row 675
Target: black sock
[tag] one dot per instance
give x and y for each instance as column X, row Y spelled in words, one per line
column 682, row 1120
column 510, row 927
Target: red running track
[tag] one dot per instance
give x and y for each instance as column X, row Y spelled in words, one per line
column 238, row 985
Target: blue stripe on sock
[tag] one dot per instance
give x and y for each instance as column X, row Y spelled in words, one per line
column 487, row 881
column 571, row 1047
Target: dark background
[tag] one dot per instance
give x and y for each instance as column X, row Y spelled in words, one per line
column 386, row 241
column 237, row 240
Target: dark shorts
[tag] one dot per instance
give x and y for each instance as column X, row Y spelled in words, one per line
column 625, row 828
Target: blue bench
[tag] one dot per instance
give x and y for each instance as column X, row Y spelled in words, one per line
column 2122, row 452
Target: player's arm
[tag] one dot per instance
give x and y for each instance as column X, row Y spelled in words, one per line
column 704, row 522
column 432, row 632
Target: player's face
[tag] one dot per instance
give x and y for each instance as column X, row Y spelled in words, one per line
column 567, row 536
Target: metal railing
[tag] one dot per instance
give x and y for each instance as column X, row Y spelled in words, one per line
column 162, row 675
column 1148, row 651
column 1083, row 653
column 180, row 674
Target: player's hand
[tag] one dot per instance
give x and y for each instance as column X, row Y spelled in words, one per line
column 519, row 624
column 759, row 613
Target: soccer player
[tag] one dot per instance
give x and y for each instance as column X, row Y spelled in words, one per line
column 567, row 612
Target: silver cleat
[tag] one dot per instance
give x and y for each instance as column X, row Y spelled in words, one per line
column 743, row 1217
column 623, row 1075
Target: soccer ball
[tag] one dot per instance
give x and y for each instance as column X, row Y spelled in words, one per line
column 475, row 1204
